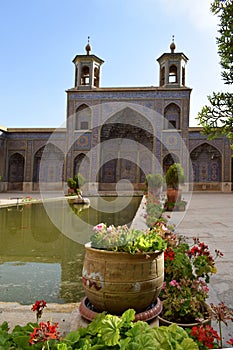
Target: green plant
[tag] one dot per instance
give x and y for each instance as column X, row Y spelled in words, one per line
column 112, row 332
column 175, row 206
column 123, row 239
column 154, row 181
column 174, row 176
column 104, row 332
column 221, row 314
column 71, row 183
column 154, row 210
column 79, row 180
column 187, row 274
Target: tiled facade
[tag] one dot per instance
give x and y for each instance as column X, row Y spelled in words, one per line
column 117, row 134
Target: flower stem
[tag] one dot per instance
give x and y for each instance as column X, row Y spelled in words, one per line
column 220, row 331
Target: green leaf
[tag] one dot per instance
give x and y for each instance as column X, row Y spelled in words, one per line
column 4, row 326
column 95, row 326
column 62, row 347
column 189, row 344
column 74, row 336
column 111, row 330
column 22, row 342
column 128, row 316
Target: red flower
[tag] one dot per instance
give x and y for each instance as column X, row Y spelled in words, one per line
column 169, row 254
column 44, row 332
column 38, row 307
column 230, row 341
column 205, row 335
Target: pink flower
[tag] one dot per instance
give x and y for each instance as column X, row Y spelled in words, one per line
column 164, row 285
column 99, row 227
column 205, row 289
column 173, row 283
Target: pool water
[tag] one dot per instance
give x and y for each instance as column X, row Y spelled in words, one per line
column 40, row 261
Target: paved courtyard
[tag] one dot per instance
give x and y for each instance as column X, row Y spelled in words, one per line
column 209, row 216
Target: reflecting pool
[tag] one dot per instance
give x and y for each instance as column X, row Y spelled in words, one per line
column 38, row 260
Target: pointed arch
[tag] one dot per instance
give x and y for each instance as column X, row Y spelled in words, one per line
column 121, row 159
column 172, row 78
column 172, row 116
column 52, row 167
column 96, row 77
column 206, row 161
column 82, row 165
column 162, row 76
column 16, row 172
column 168, row 160
column 83, row 117
column 85, row 75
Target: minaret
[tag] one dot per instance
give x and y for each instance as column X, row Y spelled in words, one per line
column 87, row 69
column 172, row 68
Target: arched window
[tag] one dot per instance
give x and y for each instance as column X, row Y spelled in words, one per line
column 82, row 165
column 162, row 76
column 96, row 77
column 183, row 76
column 48, row 166
column 83, row 118
column 168, row 160
column 16, row 172
column 85, row 76
column 172, row 116
column 172, row 74
column 206, row 161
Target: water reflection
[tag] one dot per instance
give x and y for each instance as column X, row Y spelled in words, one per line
column 37, row 261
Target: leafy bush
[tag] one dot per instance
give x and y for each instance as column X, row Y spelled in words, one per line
column 104, row 332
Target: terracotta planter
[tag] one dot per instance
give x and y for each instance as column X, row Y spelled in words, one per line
column 173, row 195
column 117, row 281
column 70, row 191
column 150, row 314
column 164, row 322
column 205, row 321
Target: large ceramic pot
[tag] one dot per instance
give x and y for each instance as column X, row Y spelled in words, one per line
column 117, row 281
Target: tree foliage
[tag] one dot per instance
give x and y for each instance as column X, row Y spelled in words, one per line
column 217, row 117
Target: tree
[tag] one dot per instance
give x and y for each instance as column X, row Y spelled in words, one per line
column 217, row 118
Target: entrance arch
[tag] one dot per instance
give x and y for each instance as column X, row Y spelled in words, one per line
column 16, row 172
column 82, row 166
column 168, row 160
column 126, row 150
column 206, row 162
column 52, row 171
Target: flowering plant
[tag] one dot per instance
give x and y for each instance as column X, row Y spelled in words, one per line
column 205, row 336
column 39, row 307
column 187, row 274
column 124, row 239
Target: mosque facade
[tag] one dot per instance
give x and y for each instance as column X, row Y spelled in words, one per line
column 117, row 135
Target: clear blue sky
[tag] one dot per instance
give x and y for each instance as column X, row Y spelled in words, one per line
column 39, row 40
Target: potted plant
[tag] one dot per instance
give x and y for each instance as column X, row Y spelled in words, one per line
column 174, row 177
column 154, row 184
column 187, row 274
column 124, row 268
column 80, row 181
column 71, row 185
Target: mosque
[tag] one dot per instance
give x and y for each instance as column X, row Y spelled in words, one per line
column 117, row 135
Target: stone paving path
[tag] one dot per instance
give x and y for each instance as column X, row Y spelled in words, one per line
column 209, row 216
